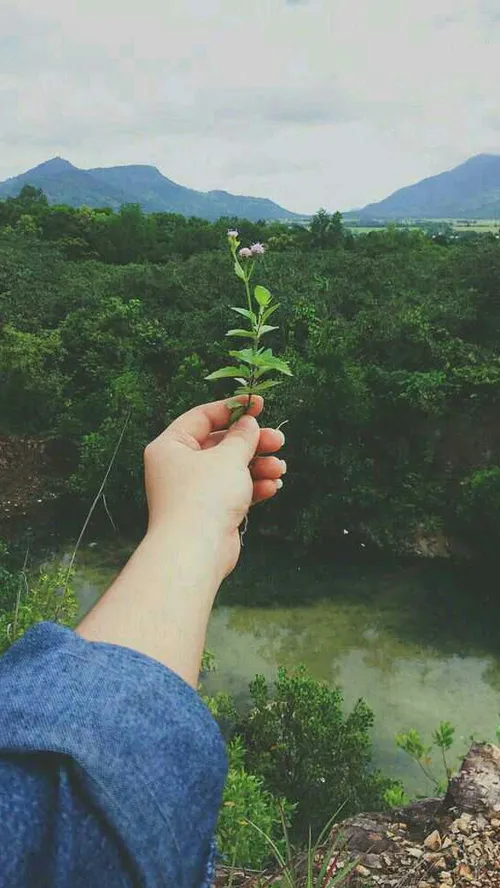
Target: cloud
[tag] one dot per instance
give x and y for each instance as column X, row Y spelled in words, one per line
column 336, row 105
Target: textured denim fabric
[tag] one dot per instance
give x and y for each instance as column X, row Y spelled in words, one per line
column 111, row 768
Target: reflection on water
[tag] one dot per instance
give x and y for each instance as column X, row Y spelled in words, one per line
column 416, row 642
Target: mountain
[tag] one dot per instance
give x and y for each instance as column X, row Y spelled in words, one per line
column 64, row 183
column 469, row 191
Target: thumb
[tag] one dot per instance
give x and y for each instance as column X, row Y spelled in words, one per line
column 242, row 438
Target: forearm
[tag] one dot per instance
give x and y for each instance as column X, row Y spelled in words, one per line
column 160, row 603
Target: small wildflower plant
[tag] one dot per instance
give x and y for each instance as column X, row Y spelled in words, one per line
column 254, row 364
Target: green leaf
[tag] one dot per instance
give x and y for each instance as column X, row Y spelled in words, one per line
column 235, row 413
column 248, row 334
column 247, row 355
column 246, row 314
column 269, row 311
column 265, row 360
column 267, row 329
column 262, row 296
column 226, row 372
column 239, row 271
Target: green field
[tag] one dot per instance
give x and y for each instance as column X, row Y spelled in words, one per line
column 461, row 226
column 474, row 224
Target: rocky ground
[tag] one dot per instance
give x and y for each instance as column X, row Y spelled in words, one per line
column 31, row 472
column 436, row 843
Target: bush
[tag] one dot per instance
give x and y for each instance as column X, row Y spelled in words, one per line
column 305, row 748
column 25, row 601
column 247, row 802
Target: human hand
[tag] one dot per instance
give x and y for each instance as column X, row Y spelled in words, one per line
column 201, row 478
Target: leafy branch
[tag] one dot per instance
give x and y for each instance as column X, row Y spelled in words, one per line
column 442, row 738
column 254, row 363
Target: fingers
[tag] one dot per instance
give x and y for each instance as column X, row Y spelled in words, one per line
column 241, row 439
column 267, row 467
column 269, row 442
column 264, row 490
column 197, row 424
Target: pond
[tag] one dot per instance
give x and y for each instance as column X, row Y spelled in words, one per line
column 419, row 641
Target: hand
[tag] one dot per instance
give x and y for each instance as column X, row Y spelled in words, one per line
column 201, row 478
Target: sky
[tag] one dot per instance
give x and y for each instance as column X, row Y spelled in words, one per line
column 308, row 102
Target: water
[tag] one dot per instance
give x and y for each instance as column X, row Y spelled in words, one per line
column 419, row 642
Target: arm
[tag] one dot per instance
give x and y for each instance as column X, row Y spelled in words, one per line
column 199, row 489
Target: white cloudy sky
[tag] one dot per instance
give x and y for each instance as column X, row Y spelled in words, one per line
column 309, row 102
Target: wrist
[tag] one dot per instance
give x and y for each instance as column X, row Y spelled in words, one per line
column 186, row 548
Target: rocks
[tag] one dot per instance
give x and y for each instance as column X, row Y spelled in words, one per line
column 421, row 817
column 373, row 861
column 476, row 788
column 430, row 545
column 367, row 833
column 430, row 844
column 433, row 842
column 32, row 472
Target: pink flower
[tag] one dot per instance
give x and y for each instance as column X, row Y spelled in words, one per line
column 258, row 249
column 245, row 253
column 232, row 234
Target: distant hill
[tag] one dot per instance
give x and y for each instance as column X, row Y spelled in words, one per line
column 469, row 191
column 64, row 183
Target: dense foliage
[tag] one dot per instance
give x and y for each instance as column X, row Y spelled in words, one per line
column 298, row 738
column 392, row 338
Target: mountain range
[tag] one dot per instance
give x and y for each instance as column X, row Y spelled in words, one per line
column 64, row 183
column 470, row 191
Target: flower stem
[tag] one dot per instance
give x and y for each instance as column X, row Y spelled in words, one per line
column 255, row 343
column 249, row 297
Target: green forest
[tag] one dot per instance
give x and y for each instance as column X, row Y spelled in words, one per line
column 109, row 324
column 392, row 337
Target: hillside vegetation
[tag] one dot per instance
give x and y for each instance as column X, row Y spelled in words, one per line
column 392, row 336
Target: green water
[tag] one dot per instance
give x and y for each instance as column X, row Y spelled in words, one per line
column 419, row 642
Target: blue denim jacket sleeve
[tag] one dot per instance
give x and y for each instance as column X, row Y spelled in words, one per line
column 111, row 768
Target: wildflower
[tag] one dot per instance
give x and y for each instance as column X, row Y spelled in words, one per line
column 258, row 249
column 232, row 234
column 246, row 253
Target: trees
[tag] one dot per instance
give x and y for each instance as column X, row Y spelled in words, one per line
column 326, row 231
column 393, row 343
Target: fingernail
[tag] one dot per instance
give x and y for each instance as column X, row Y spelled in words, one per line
column 282, row 436
column 279, row 484
column 245, row 422
column 283, row 466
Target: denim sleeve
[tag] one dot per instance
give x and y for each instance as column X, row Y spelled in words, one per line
column 111, row 768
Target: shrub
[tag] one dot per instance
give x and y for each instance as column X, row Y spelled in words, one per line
column 247, row 802
column 305, row 748
column 26, row 601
